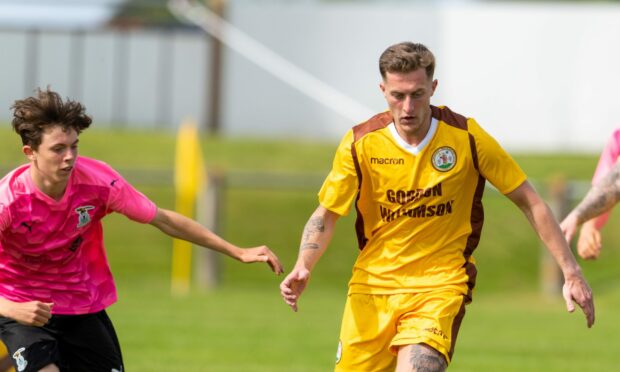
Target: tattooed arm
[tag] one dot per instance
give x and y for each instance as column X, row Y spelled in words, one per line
column 601, row 198
column 314, row 240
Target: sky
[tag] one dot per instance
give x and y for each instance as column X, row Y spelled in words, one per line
column 55, row 13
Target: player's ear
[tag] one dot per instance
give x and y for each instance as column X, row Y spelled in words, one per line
column 29, row 152
column 434, row 86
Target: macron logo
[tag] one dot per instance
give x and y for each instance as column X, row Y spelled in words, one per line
column 395, row 161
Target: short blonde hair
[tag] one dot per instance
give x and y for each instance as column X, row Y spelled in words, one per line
column 406, row 57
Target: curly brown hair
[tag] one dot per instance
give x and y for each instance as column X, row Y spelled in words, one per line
column 33, row 115
column 406, row 57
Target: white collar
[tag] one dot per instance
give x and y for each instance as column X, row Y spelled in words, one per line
column 415, row 150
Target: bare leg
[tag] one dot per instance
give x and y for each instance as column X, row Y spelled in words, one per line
column 420, row 358
column 50, row 368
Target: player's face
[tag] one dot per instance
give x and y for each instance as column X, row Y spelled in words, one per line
column 409, row 97
column 53, row 161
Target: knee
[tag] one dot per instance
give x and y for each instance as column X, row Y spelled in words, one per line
column 50, row 368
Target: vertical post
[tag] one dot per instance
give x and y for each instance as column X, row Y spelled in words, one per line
column 188, row 179
column 165, row 79
column 121, row 84
column 209, row 213
column 76, row 72
column 32, row 61
column 215, row 75
column 551, row 278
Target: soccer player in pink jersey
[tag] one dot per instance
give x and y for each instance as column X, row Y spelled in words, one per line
column 589, row 242
column 55, row 281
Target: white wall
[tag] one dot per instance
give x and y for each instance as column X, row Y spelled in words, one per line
column 539, row 77
column 138, row 78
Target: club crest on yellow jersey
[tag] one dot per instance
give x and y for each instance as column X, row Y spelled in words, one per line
column 444, row 159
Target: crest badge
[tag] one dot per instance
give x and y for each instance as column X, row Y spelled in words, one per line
column 83, row 216
column 19, row 359
column 444, row 159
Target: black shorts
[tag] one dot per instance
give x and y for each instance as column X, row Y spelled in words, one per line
column 75, row 343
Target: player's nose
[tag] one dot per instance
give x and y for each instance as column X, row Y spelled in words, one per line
column 408, row 105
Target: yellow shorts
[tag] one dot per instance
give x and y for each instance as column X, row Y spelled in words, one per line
column 375, row 326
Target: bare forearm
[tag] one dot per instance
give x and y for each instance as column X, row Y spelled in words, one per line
column 181, row 227
column 5, row 306
column 544, row 223
column 316, row 237
column 598, row 201
column 601, row 197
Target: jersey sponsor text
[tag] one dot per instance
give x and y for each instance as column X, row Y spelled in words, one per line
column 395, row 161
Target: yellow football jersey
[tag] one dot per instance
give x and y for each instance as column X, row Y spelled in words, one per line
column 419, row 209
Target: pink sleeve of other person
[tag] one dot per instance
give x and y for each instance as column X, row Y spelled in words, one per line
column 608, row 158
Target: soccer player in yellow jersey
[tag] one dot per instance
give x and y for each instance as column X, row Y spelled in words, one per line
column 416, row 174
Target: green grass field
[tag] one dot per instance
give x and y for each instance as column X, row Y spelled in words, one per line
column 244, row 325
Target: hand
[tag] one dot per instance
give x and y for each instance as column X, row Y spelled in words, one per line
column 293, row 286
column 577, row 289
column 569, row 227
column 262, row 254
column 33, row 313
column 589, row 242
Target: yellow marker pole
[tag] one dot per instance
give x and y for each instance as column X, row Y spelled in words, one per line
column 189, row 178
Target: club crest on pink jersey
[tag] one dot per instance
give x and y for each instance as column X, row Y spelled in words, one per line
column 83, row 216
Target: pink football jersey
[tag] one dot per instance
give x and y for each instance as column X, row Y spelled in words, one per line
column 52, row 251
column 609, row 156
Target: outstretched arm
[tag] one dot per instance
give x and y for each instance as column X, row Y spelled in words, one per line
column 607, row 160
column 540, row 217
column 181, row 227
column 601, row 198
column 314, row 241
column 589, row 241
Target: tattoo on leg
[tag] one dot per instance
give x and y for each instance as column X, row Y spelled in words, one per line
column 425, row 359
column 315, row 225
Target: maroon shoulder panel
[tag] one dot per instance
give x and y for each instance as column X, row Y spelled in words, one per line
column 449, row 117
column 376, row 122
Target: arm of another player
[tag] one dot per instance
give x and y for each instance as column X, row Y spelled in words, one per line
column 314, row 241
column 589, row 241
column 540, row 217
column 599, row 199
column 181, row 227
